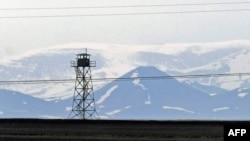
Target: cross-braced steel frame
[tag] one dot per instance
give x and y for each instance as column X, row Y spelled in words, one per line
column 83, row 101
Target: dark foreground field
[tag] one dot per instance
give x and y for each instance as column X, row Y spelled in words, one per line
column 110, row 130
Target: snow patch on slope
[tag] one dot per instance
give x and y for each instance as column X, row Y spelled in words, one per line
column 177, row 108
column 128, row 107
column 241, row 89
column 212, row 94
column 148, row 101
column 111, row 113
column 229, row 84
column 106, row 95
column 220, row 109
column 68, row 109
column 241, row 95
column 136, row 81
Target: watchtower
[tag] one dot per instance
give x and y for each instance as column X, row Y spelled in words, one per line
column 83, row 101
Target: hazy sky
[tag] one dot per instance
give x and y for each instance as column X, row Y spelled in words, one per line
column 20, row 34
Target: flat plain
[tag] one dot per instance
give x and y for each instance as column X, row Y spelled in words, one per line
column 112, row 130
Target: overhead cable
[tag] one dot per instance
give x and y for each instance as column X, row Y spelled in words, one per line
column 128, row 6
column 123, row 14
column 124, row 78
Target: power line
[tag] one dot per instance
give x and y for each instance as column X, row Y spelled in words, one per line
column 36, row 81
column 128, row 6
column 123, row 78
column 124, row 14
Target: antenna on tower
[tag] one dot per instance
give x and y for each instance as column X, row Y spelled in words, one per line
column 83, row 106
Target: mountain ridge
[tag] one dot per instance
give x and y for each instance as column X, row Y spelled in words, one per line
column 138, row 99
column 116, row 61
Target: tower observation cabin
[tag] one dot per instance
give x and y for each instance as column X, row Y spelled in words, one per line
column 83, row 60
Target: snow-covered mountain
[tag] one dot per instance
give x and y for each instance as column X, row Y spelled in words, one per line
column 149, row 98
column 165, row 98
column 140, row 99
column 168, row 99
column 18, row 105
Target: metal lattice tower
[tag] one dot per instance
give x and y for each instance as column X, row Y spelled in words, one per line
column 83, row 102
